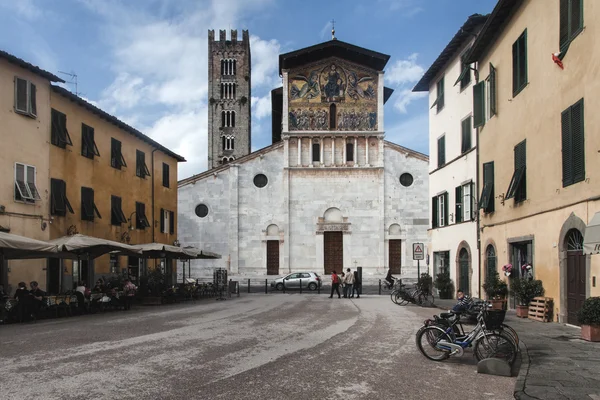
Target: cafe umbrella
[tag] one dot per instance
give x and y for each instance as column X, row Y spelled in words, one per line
column 20, row 247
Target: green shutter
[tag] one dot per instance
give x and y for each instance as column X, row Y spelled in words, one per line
column 521, row 162
column 577, row 134
column 445, row 195
column 515, row 55
column 434, row 212
column 564, row 23
column 441, row 151
column 492, row 81
column 466, row 134
column 440, row 94
column 567, row 148
column 479, row 104
column 458, row 209
column 576, row 18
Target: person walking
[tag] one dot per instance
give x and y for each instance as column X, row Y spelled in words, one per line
column 335, row 284
column 349, row 280
column 357, row 287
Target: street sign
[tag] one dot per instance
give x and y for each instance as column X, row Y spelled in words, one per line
column 418, row 251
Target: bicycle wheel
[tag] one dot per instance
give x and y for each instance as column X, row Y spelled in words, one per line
column 393, row 296
column 426, row 300
column 509, row 331
column 427, row 342
column 401, row 299
column 495, row 345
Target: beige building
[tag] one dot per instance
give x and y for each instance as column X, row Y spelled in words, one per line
column 76, row 169
column 24, row 160
column 538, row 144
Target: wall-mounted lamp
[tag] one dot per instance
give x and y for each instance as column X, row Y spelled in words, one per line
column 501, row 197
column 131, row 227
column 176, row 243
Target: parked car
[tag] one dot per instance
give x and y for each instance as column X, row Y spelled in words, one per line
column 310, row 280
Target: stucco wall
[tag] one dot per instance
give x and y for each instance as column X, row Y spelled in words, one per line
column 24, row 141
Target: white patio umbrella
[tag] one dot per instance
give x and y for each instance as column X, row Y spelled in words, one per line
column 161, row 250
column 91, row 247
column 21, row 247
column 201, row 254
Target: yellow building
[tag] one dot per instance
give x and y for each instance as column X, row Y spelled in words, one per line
column 76, row 169
column 538, row 143
column 107, row 180
column 24, row 161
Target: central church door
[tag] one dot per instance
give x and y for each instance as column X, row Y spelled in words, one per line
column 395, row 256
column 334, row 252
column 272, row 257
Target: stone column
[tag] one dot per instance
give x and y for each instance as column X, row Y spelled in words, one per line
column 333, row 151
column 356, row 151
column 321, row 145
column 310, row 152
column 344, row 151
column 367, row 151
column 299, row 151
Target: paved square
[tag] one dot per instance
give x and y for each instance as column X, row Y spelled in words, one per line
column 277, row 346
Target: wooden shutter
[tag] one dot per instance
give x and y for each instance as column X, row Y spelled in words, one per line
column 567, row 148
column 165, row 175
column 171, row 222
column 577, row 134
column 576, row 18
column 521, row 163
column 441, row 151
column 32, row 99
column 458, row 209
column 492, row 90
column 564, row 23
column 479, row 104
column 466, row 135
column 515, row 55
column 440, row 94
column 87, row 204
column 445, row 195
column 162, row 220
column 20, row 95
column 434, row 212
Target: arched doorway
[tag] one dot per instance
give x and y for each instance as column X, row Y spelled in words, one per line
column 463, row 270
column 576, row 274
column 333, row 256
column 272, row 250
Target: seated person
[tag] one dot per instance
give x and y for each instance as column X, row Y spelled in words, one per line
column 3, row 294
column 99, row 288
column 80, row 287
column 38, row 295
column 463, row 302
column 23, row 308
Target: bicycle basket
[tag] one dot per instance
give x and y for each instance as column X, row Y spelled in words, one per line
column 493, row 319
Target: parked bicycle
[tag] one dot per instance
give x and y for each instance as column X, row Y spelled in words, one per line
column 438, row 340
column 416, row 295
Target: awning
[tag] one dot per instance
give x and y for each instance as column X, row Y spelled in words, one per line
column 160, row 250
column 591, row 241
column 91, row 247
column 20, row 247
column 201, row 254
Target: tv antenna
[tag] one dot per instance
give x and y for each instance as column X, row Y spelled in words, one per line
column 73, row 80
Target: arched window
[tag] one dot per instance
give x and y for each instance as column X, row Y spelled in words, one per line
column 222, row 67
column 332, row 115
column 349, row 152
column 233, row 85
column 227, row 142
column 224, row 160
column 227, row 119
column 224, row 140
column 223, row 114
column 574, row 240
column 233, row 119
column 316, row 152
column 233, row 71
column 490, row 254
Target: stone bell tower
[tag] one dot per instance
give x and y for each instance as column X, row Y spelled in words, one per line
column 228, row 97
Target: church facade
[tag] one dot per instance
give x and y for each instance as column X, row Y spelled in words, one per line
column 331, row 194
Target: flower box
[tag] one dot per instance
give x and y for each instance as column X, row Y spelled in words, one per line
column 591, row 333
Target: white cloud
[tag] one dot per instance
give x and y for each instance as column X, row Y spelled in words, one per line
column 265, row 62
column 405, row 97
column 404, row 74
column 408, row 7
column 412, row 133
column 26, row 9
column 261, row 106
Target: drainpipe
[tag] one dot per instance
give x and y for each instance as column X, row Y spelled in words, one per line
column 478, row 222
column 152, row 156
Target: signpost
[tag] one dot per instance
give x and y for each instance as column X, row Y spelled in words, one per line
column 418, row 254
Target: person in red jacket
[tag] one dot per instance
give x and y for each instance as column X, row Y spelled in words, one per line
column 335, row 285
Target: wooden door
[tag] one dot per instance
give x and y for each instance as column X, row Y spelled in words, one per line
column 395, row 256
column 334, row 252
column 575, row 284
column 463, row 271
column 272, row 257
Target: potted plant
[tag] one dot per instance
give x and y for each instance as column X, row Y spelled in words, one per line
column 444, row 285
column 496, row 290
column 589, row 318
column 426, row 282
column 152, row 287
column 507, row 269
column 526, row 290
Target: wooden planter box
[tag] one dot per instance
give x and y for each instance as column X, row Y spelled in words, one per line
column 522, row 311
column 591, row 333
column 540, row 309
column 498, row 304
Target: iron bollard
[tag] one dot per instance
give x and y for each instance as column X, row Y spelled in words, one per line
column 266, row 290
column 380, row 286
column 237, row 288
column 248, row 285
column 300, row 286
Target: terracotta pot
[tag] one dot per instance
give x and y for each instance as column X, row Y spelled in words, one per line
column 522, row 311
column 591, row 333
column 498, row 304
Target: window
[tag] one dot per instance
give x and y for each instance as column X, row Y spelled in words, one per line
column 25, row 188
column 88, row 146
column 490, row 254
column 486, row 201
column 441, row 149
column 491, row 92
column 59, row 136
column 141, row 169
column 316, row 152
column 519, row 53
column 166, row 175
column 59, row 204
column 439, row 101
column 465, row 73
column 167, row 221
column 228, row 142
column 141, row 222
column 332, row 115
column 116, row 213
column 201, row 210
column 439, row 210
column 441, row 262
column 260, row 181
column 573, row 150
column 228, row 119
column 349, row 151
column 466, row 134
column 116, row 156
column 228, row 90
column 25, row 97
column 571, row 21
column 406, row 179
column 228, row 67
column 88, row 207
column 464, row 202
column 518, row 184
column 479, row 104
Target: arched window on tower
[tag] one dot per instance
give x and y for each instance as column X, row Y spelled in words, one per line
column 316, row 152
column 224, row 140
column 222, row 67
column 332, row 115
column 222, row 90
column 233, row 87
column 223, row 115
column 349, row 152
column 233, row 70
column 233, row 119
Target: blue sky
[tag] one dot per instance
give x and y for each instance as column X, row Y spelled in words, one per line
column 145, row 61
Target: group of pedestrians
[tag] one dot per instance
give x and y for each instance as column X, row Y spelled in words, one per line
column 350, row 282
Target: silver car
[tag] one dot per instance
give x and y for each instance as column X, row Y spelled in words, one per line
column 310, row 280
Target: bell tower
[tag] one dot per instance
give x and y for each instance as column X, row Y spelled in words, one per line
column 228, row 97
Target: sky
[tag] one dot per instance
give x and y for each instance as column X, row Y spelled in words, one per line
column 146, row 61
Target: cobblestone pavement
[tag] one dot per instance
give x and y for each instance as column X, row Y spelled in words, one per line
column 289, row 346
